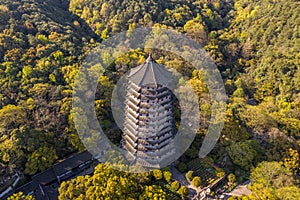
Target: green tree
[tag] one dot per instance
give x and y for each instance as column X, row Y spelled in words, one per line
column 272, row 174
column 158, row 174
column 40, row 159
column 292, row 162
column 183, row 191
column 242, row 154
column 12, row 117
column 107, row 183
column 196, row 30
column 288, row 193
column 189, row 175
column 175, row 185
column 231, row 180
column 20, row 196
column 197, row 181
column 168, row 176
column 153, row 192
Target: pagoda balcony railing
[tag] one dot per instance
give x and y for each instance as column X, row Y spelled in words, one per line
column 148, row 147
column 165, row 131
column 156, row 146
column 161, row 89
column 164, row 127
column 132, row 103
column 155, row 94
column 165, row 156
column 165, row 101
column 145, row 130
column 130, row 141
column 161, row 117
column 159, row 152
column 160, row 139
column 146, row 164
column 132, row 112
column 143, row 154
column 130, row 134
column 133, row 92
column 146, row 97
column 167, row 104
column 149, row 92
column 142, row 123
column 130, row 148
column 144, row 134
column 134, row 86
column 153, row 109
column 150, row 155
column 131, row 137
column 141, row 147
column 156, row 109
column 159, row 125
column 164, row 94
column 145, row 105
column 148, row 89
column 131, row 124
column 156, row 152
column 143, row 111
column 150, row 130
column 132, row 106
column 143, row 118
column 134, row 100
column 163, row 144
column 132, row 118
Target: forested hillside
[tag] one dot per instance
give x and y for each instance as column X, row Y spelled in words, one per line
column 41, row 43
column 255, row 44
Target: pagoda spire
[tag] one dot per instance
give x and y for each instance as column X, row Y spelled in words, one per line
column 150, row 58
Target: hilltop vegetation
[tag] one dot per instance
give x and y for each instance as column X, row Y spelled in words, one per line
column 40, row 47
column 255, row 45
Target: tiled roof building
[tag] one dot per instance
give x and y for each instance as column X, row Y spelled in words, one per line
column 45, row 184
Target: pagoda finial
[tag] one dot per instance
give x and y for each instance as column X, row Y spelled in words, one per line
column 149, row 59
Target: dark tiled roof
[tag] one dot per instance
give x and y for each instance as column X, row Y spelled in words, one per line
column 44, row 185
column 28, row 187
column 45, row 177
column 150, row 73
column 71, row 162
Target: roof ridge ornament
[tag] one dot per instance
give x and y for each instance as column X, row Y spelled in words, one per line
column 150, row 58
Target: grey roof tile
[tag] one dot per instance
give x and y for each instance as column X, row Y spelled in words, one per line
column 150, row 72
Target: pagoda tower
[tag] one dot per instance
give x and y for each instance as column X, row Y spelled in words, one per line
column 149, row 124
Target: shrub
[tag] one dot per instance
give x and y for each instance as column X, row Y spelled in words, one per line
column 231, row 178
column 166, row 169
column 189, row 175
column 183, row 191
column 168, row 176
column 196, row 181
column 158, row 175
column 175, row 185
column 42, row 38
column 106, row 124
column 182, row 167
column 220, row 174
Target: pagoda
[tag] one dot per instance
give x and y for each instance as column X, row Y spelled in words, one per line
column 149, row 125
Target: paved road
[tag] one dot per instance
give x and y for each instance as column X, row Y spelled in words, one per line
column 181, row 178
